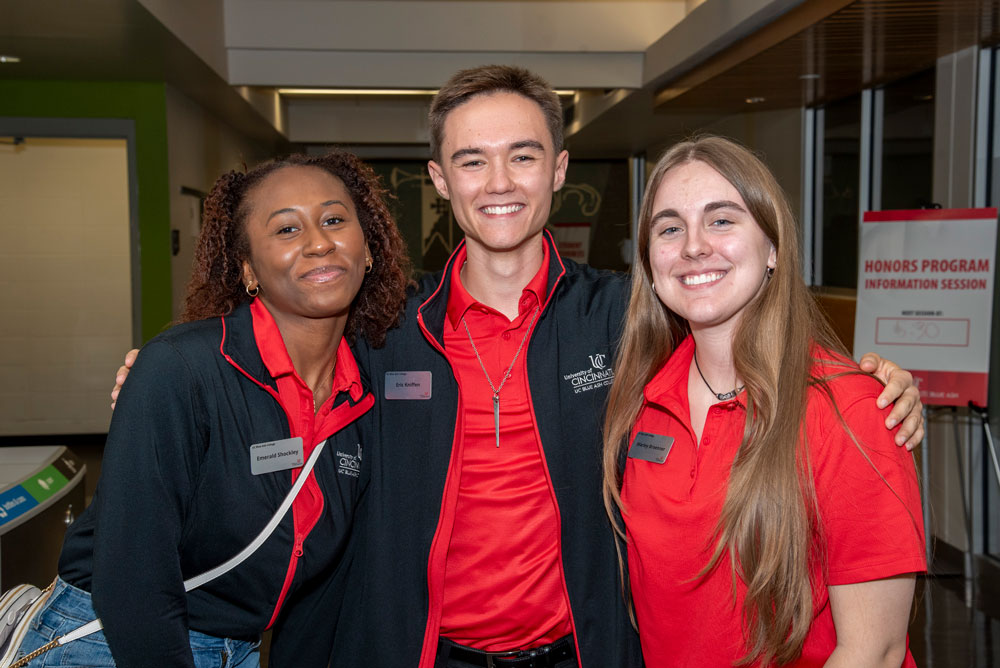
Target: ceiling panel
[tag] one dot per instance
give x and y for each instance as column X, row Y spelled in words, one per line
column 116, row 40
column 801, row 61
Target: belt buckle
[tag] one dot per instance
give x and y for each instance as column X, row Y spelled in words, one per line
column 492, row 656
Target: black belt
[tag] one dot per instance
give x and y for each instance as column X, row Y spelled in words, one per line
column 546, row 656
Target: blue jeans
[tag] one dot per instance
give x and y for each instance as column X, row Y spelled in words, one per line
column 69, row 608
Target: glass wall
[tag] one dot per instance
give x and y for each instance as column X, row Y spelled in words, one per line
column 841, row 160
column 885, row 159
column 907, row 130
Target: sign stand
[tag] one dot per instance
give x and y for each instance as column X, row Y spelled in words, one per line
column 983, row 413
column 965, row 476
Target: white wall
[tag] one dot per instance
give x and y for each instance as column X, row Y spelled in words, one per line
column 420, row 43
column 199, row 24
column 200, row 147
column 775, row 135
column 65, row 282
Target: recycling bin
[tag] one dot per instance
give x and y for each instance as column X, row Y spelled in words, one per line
column 41, row 493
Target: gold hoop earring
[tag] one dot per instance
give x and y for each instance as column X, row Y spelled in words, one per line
column 256, row 289
column 368, row 265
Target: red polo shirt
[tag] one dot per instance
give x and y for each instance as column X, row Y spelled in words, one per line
column 672, row 510
column 297, row 399
column 503, row 585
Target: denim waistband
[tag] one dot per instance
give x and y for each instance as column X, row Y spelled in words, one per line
column 75, row 603
column 71, row 602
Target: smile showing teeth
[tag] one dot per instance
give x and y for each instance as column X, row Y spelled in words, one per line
column 702, row 278
column 500, row 210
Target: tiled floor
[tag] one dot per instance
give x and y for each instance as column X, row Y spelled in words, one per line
column 946, row 633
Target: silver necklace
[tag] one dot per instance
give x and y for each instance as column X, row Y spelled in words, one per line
column 496, row 390
column 721, row 396
column 315, row 408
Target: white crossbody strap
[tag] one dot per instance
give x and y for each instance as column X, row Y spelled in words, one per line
column 221, row 569
column 208, row 576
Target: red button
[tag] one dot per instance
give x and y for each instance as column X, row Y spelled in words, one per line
column 706, row 441
column 506, row 336
column 692, row 473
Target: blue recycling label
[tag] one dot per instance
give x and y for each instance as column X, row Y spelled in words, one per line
column 14, row 502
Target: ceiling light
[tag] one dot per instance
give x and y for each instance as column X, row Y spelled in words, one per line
column 383, row 92
column 326, row 92
column 809, row 77
column 755, row 100
column 9, row 59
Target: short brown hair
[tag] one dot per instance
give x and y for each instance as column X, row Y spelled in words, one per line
column 216, row 286
column 487, row 79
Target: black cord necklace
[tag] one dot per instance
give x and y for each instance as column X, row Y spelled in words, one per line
column 721, row 396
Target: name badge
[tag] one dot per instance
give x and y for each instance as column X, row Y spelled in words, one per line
column 274, row 456
column 651, row 447
column 407, row 384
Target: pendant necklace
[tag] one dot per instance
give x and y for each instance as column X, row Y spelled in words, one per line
column 316, row 408
column 721, row 396
column 496, row 390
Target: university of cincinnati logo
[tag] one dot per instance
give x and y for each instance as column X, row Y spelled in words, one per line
column 349, row 464
column 597, row 375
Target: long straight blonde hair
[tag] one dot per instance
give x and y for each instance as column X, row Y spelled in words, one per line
column 768, row 527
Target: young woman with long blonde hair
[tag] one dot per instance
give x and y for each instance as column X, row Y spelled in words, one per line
column 768, row 515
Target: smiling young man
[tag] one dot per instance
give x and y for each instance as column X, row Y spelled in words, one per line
column 483, row 541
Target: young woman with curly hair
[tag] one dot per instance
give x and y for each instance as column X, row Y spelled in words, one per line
column 769, row 518
column 296, row 257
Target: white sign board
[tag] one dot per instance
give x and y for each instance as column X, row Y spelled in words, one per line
column 925, row 297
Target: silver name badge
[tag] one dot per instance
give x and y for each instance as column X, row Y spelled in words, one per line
column 651, row 447
column 407, row 384
column 274, row 456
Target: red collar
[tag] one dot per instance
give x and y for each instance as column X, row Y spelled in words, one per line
column 346, row 377
column 669, row 387
column 460, row 301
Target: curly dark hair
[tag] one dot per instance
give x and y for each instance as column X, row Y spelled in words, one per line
column 216, row 286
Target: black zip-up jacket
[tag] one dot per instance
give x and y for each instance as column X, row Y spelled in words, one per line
column 177, row 497
column 392, row 610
